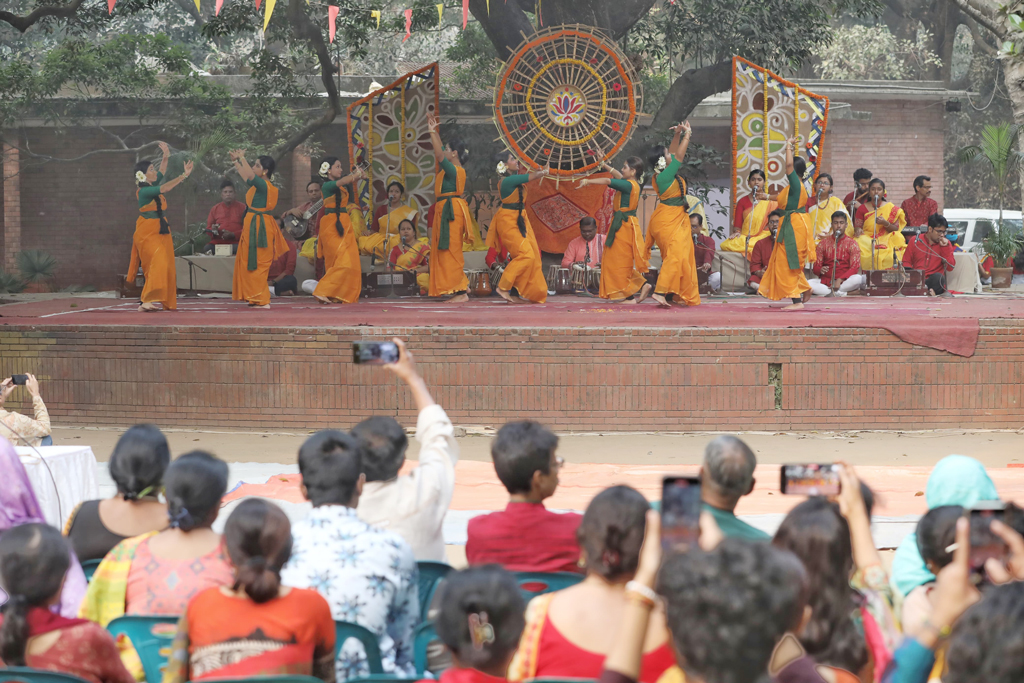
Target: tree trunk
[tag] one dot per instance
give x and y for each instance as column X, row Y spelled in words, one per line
column 689, row 90
column 1013, row 79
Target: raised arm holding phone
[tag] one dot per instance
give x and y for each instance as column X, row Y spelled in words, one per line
column 19, row 429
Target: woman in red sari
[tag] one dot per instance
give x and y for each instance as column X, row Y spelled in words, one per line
column 34, row 559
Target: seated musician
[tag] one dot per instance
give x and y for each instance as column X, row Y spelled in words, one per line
column 750, row 217
column 888, row 246
column 704, row 251
column 854, row 200
column 587, row 248
column 310, row 221
column 838, row 259
column 224, row 222
column 281, row 276
column 873, row 220
column 822, row 206
column 761, row 253
column 412, row 255
column 382, row 234
column 932, row 253
column 496, row 259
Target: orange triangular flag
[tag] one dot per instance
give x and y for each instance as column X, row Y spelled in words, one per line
column 408, row 25
column 258, row 3
column 110, row 6
column 465, row 13
column 332, row 17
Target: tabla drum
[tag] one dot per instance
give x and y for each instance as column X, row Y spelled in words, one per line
column 559, row 280
column 652, row 276
column 479, row 282
column 496, row 274
column 586, row 279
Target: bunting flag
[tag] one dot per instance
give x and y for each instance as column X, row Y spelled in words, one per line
column 375, row 14
column 408, row 25
column 216, row 10
column 440, row 12
column 332, row 17
column 110, row 6
column 258, row 3
column 465, row 13
column 266, row 15
column 198, row 8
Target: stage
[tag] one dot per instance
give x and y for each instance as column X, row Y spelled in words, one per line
column 733, row 363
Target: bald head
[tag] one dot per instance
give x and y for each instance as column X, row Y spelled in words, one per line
column 729, row 469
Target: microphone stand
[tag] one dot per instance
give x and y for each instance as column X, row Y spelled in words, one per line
column 874, row 239
column 191, row 271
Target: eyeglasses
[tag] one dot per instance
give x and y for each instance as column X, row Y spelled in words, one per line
column 559, row 461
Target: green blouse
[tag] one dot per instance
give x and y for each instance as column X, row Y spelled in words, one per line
column 450, row 179
column 509, row 184
column 259, row 199
column 149, row 194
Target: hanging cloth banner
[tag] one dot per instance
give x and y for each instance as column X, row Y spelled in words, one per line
column 110, row 6
column 266, row 15
column 332, row 17
column 408, row 24
column 440, row 12
column 216, row 10
column 465, row 13
column 375, row 14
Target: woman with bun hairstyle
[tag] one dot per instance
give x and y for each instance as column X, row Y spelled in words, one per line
column 254, row 626
column 336, row 241
column 511, row 230
column 137, row 466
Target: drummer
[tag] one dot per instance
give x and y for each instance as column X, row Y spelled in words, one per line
column 586, row 249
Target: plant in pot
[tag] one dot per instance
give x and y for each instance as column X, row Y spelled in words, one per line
column 1002, row 246
column 10, row 283
column 36, row 268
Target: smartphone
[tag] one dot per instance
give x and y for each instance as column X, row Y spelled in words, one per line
column 984, row 543
column 19, row 380
column 680, row 513
column 812, row 479
column 374, row 353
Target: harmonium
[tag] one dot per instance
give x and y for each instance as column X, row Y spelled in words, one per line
column 896, row 281
column 401, row 282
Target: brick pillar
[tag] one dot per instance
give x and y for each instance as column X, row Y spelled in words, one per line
column 12, row 202
column 301, row 174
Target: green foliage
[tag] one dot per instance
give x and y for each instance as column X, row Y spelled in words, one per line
column 36, row 265
column 477, row 63
column 997, row 151
column 1003, row 246
column 10, row 283
column 874, row 53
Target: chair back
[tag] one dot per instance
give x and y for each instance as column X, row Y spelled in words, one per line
column 533, row 584
column 89, row 567
column 277, row 678
column 431, row 575
column 343, row 630
column 151, row 637
column 422, row 637
column 24, row 673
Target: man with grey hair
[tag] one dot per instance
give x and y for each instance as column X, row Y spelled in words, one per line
column 726, row 476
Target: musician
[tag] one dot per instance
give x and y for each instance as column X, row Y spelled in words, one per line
column 496, row 258
column 704, row 251
column 311, row 221
column 751, row 217
column 861, row 179
column 932, row 253
column 412, row 255
column 587, row 248
column 838, row 258
column 224, row 222
column 382, row 235
column 919, row 208
column 822, row 206
column 762, row 251
column 878, row 212
column 888, row 246
column 281, row 276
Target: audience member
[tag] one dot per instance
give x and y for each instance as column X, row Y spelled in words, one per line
column 137, row 467
column 567, row 634
column 853, row 201
column 936, row 533
column 34, row 561
column 918, row 208
column 525, row 536
column 21, row 429
column 412, row 505
column 932, row 253
column 588, row 248
column 726, row 476
column 224, row 222
column 18, row 506
column 367, row 575
column 837, row 257
column 254, row 626
column 704, row 251
column 281, row 276
column 761, row 252
column 480, row 621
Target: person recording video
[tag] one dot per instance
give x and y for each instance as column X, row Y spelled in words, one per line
column 19, row 429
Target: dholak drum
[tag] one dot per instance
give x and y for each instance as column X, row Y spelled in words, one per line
column 479, row 282
column 559, row 280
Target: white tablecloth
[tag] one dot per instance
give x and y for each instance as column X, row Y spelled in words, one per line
column 73, row 481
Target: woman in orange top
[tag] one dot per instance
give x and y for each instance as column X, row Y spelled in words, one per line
column 623, row 260
column 336, row 242
column 152, row 245
column 451, row 219
column 669, row 226
column 510, row 229
column 261, row 242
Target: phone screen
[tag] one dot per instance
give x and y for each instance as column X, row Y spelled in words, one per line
column 680, row 513
column 812, row 479
column 20, row 380
column 374, row 353
column 985, row 544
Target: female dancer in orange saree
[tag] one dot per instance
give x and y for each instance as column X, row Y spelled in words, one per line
column 451, row 219
column 511, row 229
column 623, row 260
column 152, row 244
column 669, row 226
column 336, row 243
column 261, row 242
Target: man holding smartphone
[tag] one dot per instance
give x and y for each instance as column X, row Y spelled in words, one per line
column 19, row 429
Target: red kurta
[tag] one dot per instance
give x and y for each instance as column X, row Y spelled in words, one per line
column 704, row 250
column 525, row 537
column 760, row 254
column 931, row 258
column 843, row 261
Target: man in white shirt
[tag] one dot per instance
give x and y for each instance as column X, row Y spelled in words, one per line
column 412, row 505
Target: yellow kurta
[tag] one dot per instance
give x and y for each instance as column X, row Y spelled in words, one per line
column 446, row 265
column 336, row 244
column 890, row 211
column 386, row 238
column 779, row 280
column 623, row 260
column 754, row 225
column 155, row 253
column 820, row 215
column 669, row 228
column 524, row 271
column 251, row 284
column 887, row 245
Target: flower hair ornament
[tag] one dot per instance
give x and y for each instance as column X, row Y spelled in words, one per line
column 502, row 168
column 661, row 165
column 480, row 631
column 324, row 169
column 140, row 177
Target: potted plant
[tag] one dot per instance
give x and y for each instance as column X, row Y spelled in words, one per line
column 36, row 268
column 1002, row 247
column 10, row 283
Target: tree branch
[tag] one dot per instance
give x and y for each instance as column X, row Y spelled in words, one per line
column 189, row 7
column 982, row 15
column 689, row 90
column 22, row 24
column 27, row 150
column 979, row 40
column 505, row 25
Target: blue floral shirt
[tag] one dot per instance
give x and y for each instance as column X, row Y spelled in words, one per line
column 367, row 575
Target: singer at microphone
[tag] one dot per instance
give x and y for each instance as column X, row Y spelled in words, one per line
column 881, row 223
column 822, row 206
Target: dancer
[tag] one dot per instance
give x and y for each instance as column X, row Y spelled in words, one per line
column 750, row 217
column 336, row 244
column 451, row 219
column 261, row 242
column 412, row 255
column 511, row 230
column 669, row 226
column 623, row 261
column 784, row 276
column 152, row 244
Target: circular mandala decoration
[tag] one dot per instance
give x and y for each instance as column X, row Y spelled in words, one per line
column 567, row 97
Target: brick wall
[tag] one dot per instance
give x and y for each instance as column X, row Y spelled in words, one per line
column 572, row 379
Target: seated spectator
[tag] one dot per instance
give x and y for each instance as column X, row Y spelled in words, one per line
column 367, row 575
column 20, row 429
column 412, row 505
column 760, row 255
column 525, row 536
column 137, row 467
column 726, row 476
column 837, row 258
column 254, row 626
column 281, row 276
column 704, row 251
column 159, row 572
column 588, row 248
column 932, row 253
column 18, row 506
column 224, row 222
column 936, row 532
column 34, row 559
column 480, row 622
column 567, row 634
column 851, row 626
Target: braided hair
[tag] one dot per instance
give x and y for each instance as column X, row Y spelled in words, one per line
column 520, row 221
column 330, row 161
column 165, row 227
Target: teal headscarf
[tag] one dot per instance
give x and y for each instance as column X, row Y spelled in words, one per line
column 955, row 480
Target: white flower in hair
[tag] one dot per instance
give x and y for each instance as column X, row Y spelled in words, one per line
column 502, row 168
column 661, row 165
column 140, row 177
column 324, row 168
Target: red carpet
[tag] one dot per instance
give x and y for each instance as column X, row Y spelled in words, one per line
column 945, row 324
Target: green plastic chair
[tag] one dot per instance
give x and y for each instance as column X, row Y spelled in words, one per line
column 379, row 678
column 533, row 584
column 344, row 630
column 431, row 575
column 23, row 673
column 89, row 567
column 151, row 637
column 422, row 637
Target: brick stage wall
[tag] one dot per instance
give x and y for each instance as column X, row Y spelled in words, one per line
column 571, row 379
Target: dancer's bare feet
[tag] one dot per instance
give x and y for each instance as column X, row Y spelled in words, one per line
column 662, row 301
column 806, row 296
column 322, row 299
column 799, row 306
column 459, row 299
column 506, row 295
column 645, row 292
column 148, row 308
column 261, row 306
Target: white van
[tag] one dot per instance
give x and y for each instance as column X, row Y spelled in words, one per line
column 972, row 226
